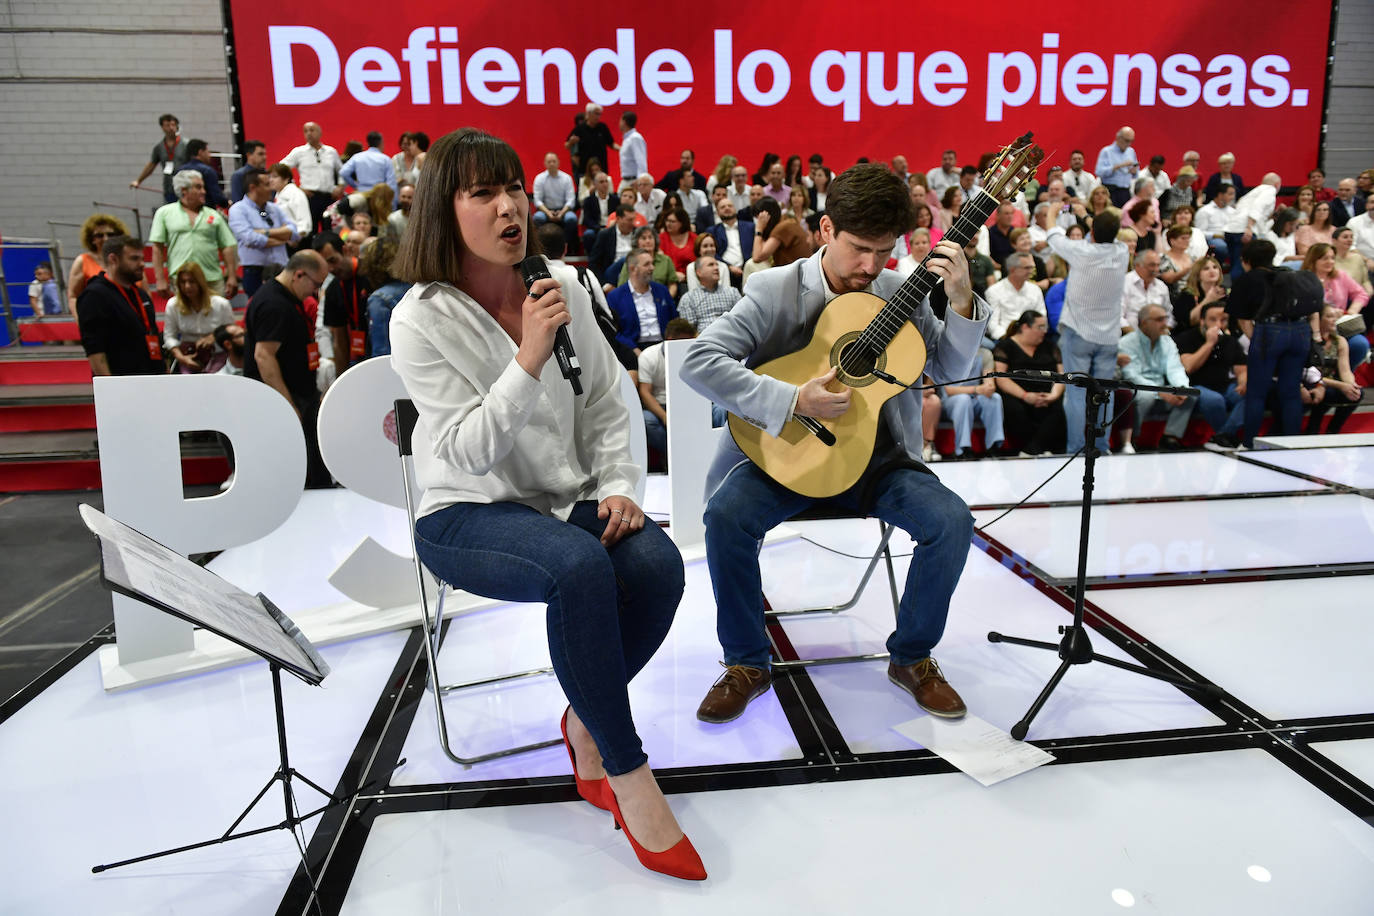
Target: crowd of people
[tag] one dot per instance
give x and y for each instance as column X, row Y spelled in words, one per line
column 1104, row 258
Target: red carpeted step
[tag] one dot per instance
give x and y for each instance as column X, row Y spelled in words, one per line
column 70, row 370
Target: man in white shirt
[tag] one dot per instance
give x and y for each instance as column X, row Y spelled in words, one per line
column 1143, row 287
column 648, row 199
column 653, row 385
column 899, row 168
column 1057, row 196
column 692, row 199
column 318, row 165
column 553, row 198
column 634, row 152
column 1363, row 227
column 1257, row 205
column 1090, row 324
column 1213, row 217
column 739, row 188
column 1155, row 172
column 1078, row 182
column 1012, row 295
column 734, row 240
column 945, row 175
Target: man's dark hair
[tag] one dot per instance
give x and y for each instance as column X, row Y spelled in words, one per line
column 678, row 328
column 163, row 119
column 194, row 146
column 630, row 118
column 1156, row 159
column 869, row 201
column 1105, row 227
column 815, row 159
column 324, row 239
column 1079, row 152
column 1202, row 313
column 432, row 249
column 252, row 175
column 624, row 210
column 421, row 140
column 223, row 337
column 252, row 146
column 950, row 152
column 118, row 244
column 552, row 240
column 374, row 138
column 968, row 170
column 1256, row 253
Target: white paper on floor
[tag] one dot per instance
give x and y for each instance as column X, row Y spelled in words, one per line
column 976, row 747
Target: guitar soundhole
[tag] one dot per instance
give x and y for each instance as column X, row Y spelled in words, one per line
column 855, row 361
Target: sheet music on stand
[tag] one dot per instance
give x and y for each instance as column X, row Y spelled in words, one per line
column 134, row 564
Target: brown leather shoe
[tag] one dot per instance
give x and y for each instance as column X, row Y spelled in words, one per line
column 728, row 696
column 932, row 692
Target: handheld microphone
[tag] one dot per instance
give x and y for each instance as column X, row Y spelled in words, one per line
column 532, row 269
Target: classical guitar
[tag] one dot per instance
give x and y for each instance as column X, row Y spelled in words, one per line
column 876, row 351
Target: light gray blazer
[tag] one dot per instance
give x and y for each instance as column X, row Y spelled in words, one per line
column 775, row 317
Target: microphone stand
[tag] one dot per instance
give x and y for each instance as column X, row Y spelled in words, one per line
column 1075, row 648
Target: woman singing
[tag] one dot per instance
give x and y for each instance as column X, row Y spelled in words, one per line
column 527, row 488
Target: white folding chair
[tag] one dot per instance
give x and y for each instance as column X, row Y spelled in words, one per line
column 406, row 417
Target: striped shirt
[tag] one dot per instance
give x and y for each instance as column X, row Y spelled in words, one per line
column 701, row 306
column 1092, row 294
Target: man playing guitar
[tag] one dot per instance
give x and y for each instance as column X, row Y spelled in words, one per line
column 867, row 210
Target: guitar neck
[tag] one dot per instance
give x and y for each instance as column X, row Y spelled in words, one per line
column 913, row 292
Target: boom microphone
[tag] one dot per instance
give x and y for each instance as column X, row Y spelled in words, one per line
column 532, row 269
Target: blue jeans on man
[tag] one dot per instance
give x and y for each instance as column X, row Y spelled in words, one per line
column 379, row 307
column 748, row 504
column 1223, row 411
column 1276, row 347
column 963, row 408
column 1097, row 360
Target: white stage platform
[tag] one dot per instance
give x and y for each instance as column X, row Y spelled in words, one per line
column 1260, row 803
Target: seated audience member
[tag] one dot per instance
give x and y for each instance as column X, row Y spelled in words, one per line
column 1283, row 234
column 950, row 204
column 1032, row 411
column 1304, row 200
column 1012, row 296
column 374, row 265
column 664, row 271
column 1317, row 180
column 1180, row 193
column 1347, row 205
column 343, row 302
column 613, row 243
column 712, row 297
column 672, row 180
column 44, row 297
column 1142, row 223
column 930, row 421
column 781, row 240
column 97, row 228
column 1078, row 181
column 1155, row 172
column 290, row 198
column 192, row 316
column 1363, row 227
column 925, row 219
column 586, row 182
column 653, row 384
column 229, row 338
column 774, row 186
column 999, row 241
column 1224, row 177
column 1100, row 201
column 115, row 314
column 1021, row 244
column 1201, row 288
column 918, row 246
column 740, row 190
column 1211, row 356
column 1213, row 218
column 1348, row 259
column 361, row 223
column 705, row 217
column 1154, row 361
column 1142, row 190
column 399, row 219
column 981, row 271
column 1317, row 230
column 820, row 186
column 1197, row 242
column 1337, row 389
column 677, row 240
column 1175, row 262
column 975, row 400
column 598, row 210
column 799, row 204
column 642, row 306
column 688, row 194
column 555, row 246
column 720, row 177
column 705, row 245
column 648, row 199
column 1339, row 291
column 1143, row 287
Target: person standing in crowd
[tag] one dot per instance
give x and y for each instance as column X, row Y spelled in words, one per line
column 1117, row 166
column 408, row 161
column 397, row 220
column 280, row 350
column 118, row 326
column 192, row 316
column 344, row 302
column 290, row 199
column 1225, row 176
column 319, row 167
column 97, row 228
column 868, row 209
column 592, row 139
column 369, row 168
column 1090, row 324
column 634, row 151
column 254, row 157
column 190, row 231
column 44, row 297
column 262, row 230
column 168, row 156
column 198, row 158
column 528, row 490
column 1078, row 181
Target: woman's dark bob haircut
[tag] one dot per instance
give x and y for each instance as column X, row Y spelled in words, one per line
column 432, row 249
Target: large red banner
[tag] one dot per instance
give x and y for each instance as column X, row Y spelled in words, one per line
column 864, row 78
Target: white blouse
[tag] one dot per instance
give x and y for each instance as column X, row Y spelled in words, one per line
column 178, row 327
column 494, row 432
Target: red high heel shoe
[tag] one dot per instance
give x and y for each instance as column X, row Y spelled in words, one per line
column 592, row 790
column 679, row 861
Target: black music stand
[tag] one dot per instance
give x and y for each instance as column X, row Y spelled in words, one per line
column 1075, row 648
column 133, row 564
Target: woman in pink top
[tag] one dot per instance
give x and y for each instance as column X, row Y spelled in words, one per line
column 1317, row 230
column 1341, row 291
